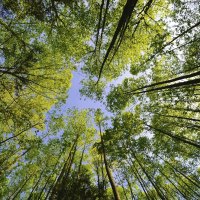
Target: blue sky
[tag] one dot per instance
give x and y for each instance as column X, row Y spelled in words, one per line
column 76, row 100
column 81, row 102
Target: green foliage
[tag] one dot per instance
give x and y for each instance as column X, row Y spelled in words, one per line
column 149, row 146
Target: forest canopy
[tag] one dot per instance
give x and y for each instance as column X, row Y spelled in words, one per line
column 140, row 59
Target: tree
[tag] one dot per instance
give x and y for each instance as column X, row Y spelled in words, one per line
column 141, row 59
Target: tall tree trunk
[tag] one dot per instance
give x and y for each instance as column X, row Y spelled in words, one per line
column 130, row 187
column 108, row 171
column 158, row 190
column 178, row 117
column 79, row 168
column 121, row 182
column 104, row 22
column 102, row 174
column 23, row 131
column 140, row 180
column 179, row 171
column 36, row 184
column 99, row 24
column 121, row 27
column 169, row 81
column 66, row 164
column 20, row 189
column 81, row 160
column 175, row 85
column 176, row 137
column 98, row 179
column 174, row 185
column 160, row 50
column 48, row 179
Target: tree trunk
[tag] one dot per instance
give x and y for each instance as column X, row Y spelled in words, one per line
column 169, row 81
column 158, row 190
column 140, row 180
column 48, row 180
column 176, row 137
column 178, row 117
column 30, row 196
column 121, row 27
column 67, row 162
column 175, row 85
column 109, row 173
column 20, row 189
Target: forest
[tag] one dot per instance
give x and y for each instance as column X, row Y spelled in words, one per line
column 140, row 60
